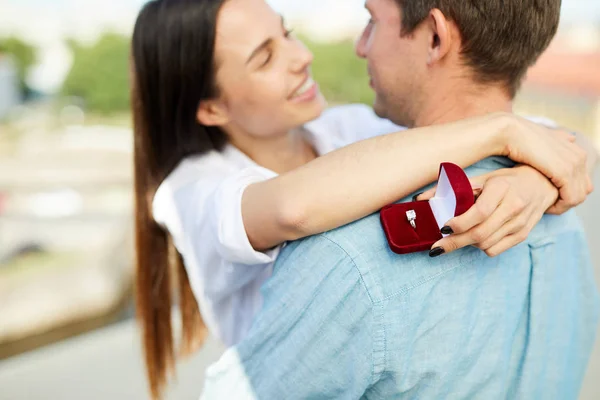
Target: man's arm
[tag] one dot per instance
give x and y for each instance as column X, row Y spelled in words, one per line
column 313, row 336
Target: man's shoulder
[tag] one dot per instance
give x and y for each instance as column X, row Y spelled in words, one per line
column 311, row 264
column 360, row 250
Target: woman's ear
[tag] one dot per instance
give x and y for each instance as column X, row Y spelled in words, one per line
column 441, row 38
column 212, row 113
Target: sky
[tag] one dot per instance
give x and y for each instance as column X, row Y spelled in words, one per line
column 47, row 22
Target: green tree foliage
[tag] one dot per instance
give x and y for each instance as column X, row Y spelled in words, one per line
column 24, row 55
column 100, row 74
column 341, row 75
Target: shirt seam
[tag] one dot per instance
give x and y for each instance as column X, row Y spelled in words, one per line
column 378, row 337
column 355, row 267
column 419, row 283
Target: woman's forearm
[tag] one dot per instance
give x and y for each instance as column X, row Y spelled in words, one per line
column 359, row 179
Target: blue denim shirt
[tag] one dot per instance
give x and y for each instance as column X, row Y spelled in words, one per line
column 345, row 318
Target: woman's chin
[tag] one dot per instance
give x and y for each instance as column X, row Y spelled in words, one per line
column 317, row 107
column 306, row 112
column 316, row 113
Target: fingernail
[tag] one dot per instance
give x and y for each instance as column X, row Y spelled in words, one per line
column 447, row 230
column 417, row 195
column 438, row 251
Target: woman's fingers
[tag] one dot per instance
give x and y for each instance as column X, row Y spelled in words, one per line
column 509, row 207
column 426, row 195
column 486, row 204
column 512, row 233
column 562, row 133
column 573, row 187
column 509, row 217
column 554, row 154
column 512, row 240
column 429, row 194
column 507, row 243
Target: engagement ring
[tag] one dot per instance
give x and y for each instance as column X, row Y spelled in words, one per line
column 411, row 215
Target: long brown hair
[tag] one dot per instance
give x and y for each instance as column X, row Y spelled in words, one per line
column 172, row 71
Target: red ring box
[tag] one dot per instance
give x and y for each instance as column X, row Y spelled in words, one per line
column 453, row 197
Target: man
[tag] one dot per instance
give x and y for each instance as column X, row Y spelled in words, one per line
column 346, row 318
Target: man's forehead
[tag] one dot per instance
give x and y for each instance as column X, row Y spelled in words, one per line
column 384, row 10
column 381, row 7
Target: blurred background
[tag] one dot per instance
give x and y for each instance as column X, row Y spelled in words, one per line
column 66, row 246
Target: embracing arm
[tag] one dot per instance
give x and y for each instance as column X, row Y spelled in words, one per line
column 359, row 179
column 512, row 203
column 592, row 152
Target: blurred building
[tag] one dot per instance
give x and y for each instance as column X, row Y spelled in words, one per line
column 65, row 231
column 9, row 85
column 564, row 85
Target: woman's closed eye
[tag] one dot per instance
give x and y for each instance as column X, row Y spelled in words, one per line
column 270, row 52
column 268, row 57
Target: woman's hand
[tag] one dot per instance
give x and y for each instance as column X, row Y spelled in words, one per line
column 512, row 202
column 555, row 154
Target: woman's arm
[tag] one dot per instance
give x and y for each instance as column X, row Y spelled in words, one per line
column 591, row 150
column 359, row 179
column 565, row 203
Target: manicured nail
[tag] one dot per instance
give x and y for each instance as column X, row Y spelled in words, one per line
column 438, row 251
column 447, row 230
column 417, row 195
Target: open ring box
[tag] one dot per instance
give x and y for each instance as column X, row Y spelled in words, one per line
column 453, row 197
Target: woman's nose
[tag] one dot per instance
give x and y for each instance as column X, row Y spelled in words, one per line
column 302, row 57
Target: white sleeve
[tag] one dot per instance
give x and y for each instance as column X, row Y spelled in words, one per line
column 227, row 221
column 354, row 122
column 202, row 212
column 215, row 200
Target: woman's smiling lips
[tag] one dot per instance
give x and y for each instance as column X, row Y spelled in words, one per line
column 307, row 91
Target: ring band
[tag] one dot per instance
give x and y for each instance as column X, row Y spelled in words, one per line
column 411, row 216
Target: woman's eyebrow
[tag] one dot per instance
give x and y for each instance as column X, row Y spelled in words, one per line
column 260, row 48
column 263, row 45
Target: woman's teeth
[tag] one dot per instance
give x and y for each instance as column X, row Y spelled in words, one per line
column 305, row 87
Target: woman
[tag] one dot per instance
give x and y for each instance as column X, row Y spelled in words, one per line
column 228, row 128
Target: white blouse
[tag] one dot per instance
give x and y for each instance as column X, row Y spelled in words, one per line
column 199, row 203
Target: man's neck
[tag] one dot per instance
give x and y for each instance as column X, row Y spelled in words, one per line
column 461, row 104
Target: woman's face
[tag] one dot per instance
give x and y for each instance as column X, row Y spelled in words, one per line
column 263, row 73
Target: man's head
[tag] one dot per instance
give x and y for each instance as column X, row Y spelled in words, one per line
column 414, row 48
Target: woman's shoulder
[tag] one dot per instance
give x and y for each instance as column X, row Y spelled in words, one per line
column 204, row 170
column 351, row 123
column 207, row 168
column 193, row 168
column 197, row 179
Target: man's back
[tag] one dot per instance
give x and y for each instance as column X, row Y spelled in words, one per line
column 344, row 317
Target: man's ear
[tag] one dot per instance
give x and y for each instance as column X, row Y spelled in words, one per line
column 440, row 41
column 212, row 113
